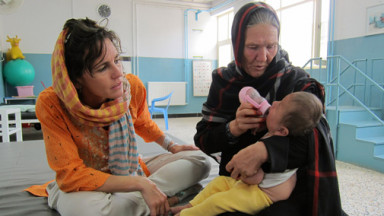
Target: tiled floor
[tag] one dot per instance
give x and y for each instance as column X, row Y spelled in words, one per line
column 362, row 190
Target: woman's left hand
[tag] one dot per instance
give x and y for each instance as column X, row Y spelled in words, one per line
column 247, row 161
column 178, row 148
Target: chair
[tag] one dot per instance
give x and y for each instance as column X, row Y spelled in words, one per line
column 7, row 127
column 164, row 110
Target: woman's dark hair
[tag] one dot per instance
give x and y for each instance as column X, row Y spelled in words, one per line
column 84, row 44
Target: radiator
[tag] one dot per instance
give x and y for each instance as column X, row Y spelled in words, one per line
column 161, row 89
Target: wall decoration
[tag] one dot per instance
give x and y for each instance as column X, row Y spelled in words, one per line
column 202, row 77
column 375, row 19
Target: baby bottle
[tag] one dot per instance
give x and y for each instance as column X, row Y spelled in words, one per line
column 252, row 96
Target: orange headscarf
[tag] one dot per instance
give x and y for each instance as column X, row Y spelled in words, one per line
column 123, row 156
column 108, row 112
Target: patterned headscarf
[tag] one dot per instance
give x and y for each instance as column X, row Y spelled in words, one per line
column 123, row 156
column 109, row 112
column 240, row 23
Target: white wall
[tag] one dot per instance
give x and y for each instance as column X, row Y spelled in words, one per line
column 350, row 17
column 159, row 31
column 202, row 35
column 1, row 39
column 120, row 19
column 145, row 29
column 37, row 23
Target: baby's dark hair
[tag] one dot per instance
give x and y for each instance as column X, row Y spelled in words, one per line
column 84, row 44
column 304, row 114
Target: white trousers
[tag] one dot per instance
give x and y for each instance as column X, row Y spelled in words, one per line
column 170, row 172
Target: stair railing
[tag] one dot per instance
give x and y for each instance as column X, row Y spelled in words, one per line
column 355, row 84
column 374, row 60
column 334, row 81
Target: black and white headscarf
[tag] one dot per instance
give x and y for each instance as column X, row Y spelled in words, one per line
column 279, row 79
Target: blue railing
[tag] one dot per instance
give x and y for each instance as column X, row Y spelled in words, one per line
column 348, row 85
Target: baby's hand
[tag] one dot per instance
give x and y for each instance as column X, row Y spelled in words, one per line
column 255, row 179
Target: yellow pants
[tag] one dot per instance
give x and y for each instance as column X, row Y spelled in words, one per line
column 225, row 194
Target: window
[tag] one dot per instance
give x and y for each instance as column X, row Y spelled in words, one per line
column 224, row 44
column 303, row 33
column 304, row 28
column 296, row 31
column 324, row 28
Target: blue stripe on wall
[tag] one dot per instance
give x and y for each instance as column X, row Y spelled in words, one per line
column 42, row 66
column 366, row 47
column 149, row 69
column 161, row 69
column 172, row 70
column 361, row 47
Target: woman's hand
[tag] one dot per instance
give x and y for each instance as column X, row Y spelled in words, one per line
column 178, row 148
column 156, row 200
column 255, row 179
column 247, row 162
column 172, row 147
column 247, row 117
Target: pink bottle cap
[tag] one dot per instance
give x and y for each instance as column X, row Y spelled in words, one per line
column 244, row 96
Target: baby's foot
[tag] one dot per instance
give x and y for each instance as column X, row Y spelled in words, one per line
column 180, row 196
column 173, row 200
column 189, row 191
column 177, row 209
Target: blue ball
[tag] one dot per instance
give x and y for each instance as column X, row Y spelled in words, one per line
column 19, row 72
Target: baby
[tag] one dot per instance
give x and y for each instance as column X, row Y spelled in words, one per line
column 297, row 114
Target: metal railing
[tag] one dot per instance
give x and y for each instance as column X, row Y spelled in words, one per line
column 346, row 84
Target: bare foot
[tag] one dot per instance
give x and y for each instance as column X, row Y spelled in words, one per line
column 177, row 209
column 173, row 200
column 180, row 196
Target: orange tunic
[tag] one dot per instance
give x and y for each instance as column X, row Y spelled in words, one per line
column 79, row 153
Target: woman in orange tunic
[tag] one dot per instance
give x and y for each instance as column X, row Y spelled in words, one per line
column 89, row 119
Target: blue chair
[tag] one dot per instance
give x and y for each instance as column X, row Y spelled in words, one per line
column 164, row 110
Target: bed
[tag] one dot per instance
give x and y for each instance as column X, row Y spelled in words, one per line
column 23, row 164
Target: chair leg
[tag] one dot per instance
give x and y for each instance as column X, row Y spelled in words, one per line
column 19, row 128
column 166, row 119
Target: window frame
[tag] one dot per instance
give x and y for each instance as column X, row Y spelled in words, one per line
column 227, row 41
column 317, row 25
